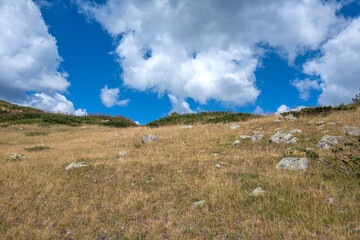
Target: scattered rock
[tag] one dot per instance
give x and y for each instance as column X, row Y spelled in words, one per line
column 320, row 122
column 235, row 143
column 245, row 137
column 215, row 154
column 295, row 131
column 217, row 165
column 105, row 121
column 199, row 203
column 21, row 128
column 293, row 140
column 332, row 200
column 257, row 137
column 234, row 126
column 281, row 137
column 149, row 139
column 291, row 117
column 122, row 154
column 326, row 131
column 256, row 132
column 75, row 165
column 331, row 124
column 321, row 127
column 294, row 164
column 328, row 140
column 311, row 122
column 352, row 131
column 277, row 120
column 257, row 192
column 186, row 127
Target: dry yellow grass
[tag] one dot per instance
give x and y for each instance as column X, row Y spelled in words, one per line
column 149, row 194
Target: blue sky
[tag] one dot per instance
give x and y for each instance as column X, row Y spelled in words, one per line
column 146, row 59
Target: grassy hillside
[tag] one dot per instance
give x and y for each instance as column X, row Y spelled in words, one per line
column 203, row 117
column 150, row 193
column 14, row 115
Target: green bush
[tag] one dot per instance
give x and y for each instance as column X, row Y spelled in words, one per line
column 37, row 148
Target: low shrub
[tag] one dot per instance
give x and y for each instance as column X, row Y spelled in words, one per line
column 37, row 148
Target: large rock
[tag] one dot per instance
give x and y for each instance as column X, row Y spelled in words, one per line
column 257, row 137
column 245, row 137
column 281, row 137
column 291, row 117
column 149, row 139
column 234, row 126
column 293, row 140
column 235, row 143
column 294, row 164
column 352, row 131
column 327, row 141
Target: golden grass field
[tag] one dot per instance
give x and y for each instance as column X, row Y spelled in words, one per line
column 150, row 193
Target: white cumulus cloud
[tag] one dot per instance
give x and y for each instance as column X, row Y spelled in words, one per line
column 304, row 87
column 208, row 49
column 179, row 105
column 109, row 97
column 29, row 58
column 338, row 66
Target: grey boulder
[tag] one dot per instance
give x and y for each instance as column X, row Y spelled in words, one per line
column 327, row 141
column 352, row 131
column 281, row 137
column 293, row 164
column 257, row 138
column 149, row 139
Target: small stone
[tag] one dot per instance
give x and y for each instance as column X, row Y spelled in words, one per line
column 320, row 122
column 122, row 154
column 245, row 137
column 199, row 203
column 215, row 154
column 256, row 132
column 293, row 140
column 75, row 165
column 326, row 131
column 105, row 121
column 217, row 165
column 235, row 143
column 311, row 122
column 295, row 131
column 257, row 138
column 277, row 120
column 21, row 128
column 149, row 139
column 179, row 171
column 186, row 127
column 257, row 192
column 331, row 124
column 321, row 127
column 281, row 137
column 328, row 140
column 352, row 131
column 332, row 200
column 234, row 126
column 294, row 164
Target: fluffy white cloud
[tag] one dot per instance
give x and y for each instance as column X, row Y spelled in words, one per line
column 304, row 87
column 109, row 97
column 208, row 49
column 56, row 103
column 179, row 105
column 338, row 67
column 29, row 58
column 284, row 108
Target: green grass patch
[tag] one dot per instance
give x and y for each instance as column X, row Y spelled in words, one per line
column 32, row 134
column 313, row 111
column 203, row 117
column 37, row 148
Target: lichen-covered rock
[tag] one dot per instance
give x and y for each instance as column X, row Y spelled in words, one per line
column 291, row 117
column 234, row 126
column 281, row 137
column 199, row 203
column 327, row 141
column 295, row 131
column 245, row 137
column 75, row 165
column 257, row 192
column 294, row 164
column 122, row 154
column 352, row 131
column 293, row 140
column 235, row 143
column 149, row 139
column 257, row 137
